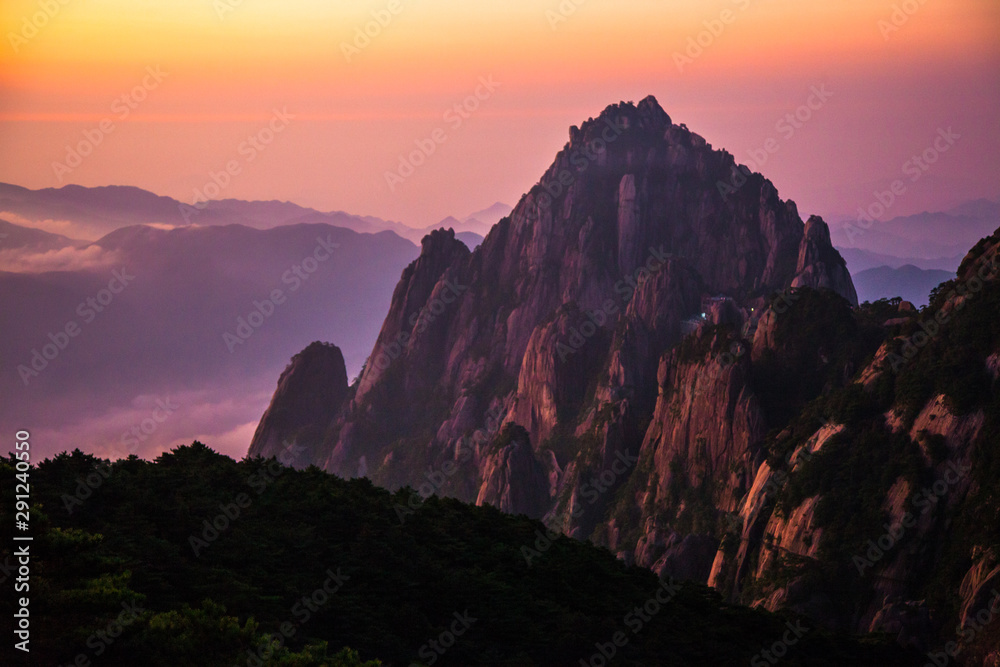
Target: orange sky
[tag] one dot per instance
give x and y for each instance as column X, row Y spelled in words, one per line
column 229, row 64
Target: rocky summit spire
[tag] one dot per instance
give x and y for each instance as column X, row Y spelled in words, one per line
column 637, row 234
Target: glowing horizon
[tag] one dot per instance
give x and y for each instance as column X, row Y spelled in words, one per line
column 356, row 113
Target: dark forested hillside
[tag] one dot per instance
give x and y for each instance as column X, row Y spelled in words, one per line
column 196, row 559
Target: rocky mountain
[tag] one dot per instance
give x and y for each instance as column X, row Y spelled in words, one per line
column 320, row 369
column 655, row 353
column 876, row 507
column 478, row 222
column 639, row 233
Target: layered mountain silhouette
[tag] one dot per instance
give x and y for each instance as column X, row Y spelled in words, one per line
column 920, row 238
column 627, row 231
column 655, row 353
column 198, row 270
column 195, row 324
column 907, row 282
column 94, row 212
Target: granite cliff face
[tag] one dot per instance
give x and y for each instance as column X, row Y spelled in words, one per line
column 655, row 353
column 881, row 515
column 560, row 317
column 310, row 392
column 559, row 321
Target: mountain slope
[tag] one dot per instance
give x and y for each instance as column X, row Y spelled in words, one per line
column 219, row 562
column 557, row 322
column 876, row 508
column 679, row 371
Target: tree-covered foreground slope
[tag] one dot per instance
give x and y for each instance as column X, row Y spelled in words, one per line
column 196, row 559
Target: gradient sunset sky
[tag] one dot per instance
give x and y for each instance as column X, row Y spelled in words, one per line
column 230, row 63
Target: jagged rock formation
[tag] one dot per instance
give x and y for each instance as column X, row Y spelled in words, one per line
column 656, row 356
column 906, row 547
column 310, row 392
column 820, row 265
column 560, row 318
column 513, row 479
column 677, row 367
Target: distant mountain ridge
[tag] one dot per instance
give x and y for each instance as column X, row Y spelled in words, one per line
column 920, row 235
column 164, row 336
column 100, row 210
column 908, row 282
column 861, row 260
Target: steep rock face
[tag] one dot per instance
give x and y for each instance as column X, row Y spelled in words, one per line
column 705, row 426
column 513, row 479
column 310, row 392
column 910, row 461
column 418, row 303
column 820, row 265
column 569, row 303
column 552, row 383
column 699, row 454
column 566, row 320
column 411, row 336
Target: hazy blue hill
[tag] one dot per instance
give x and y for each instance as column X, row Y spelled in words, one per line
column 909, row 282
column 163, row 334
